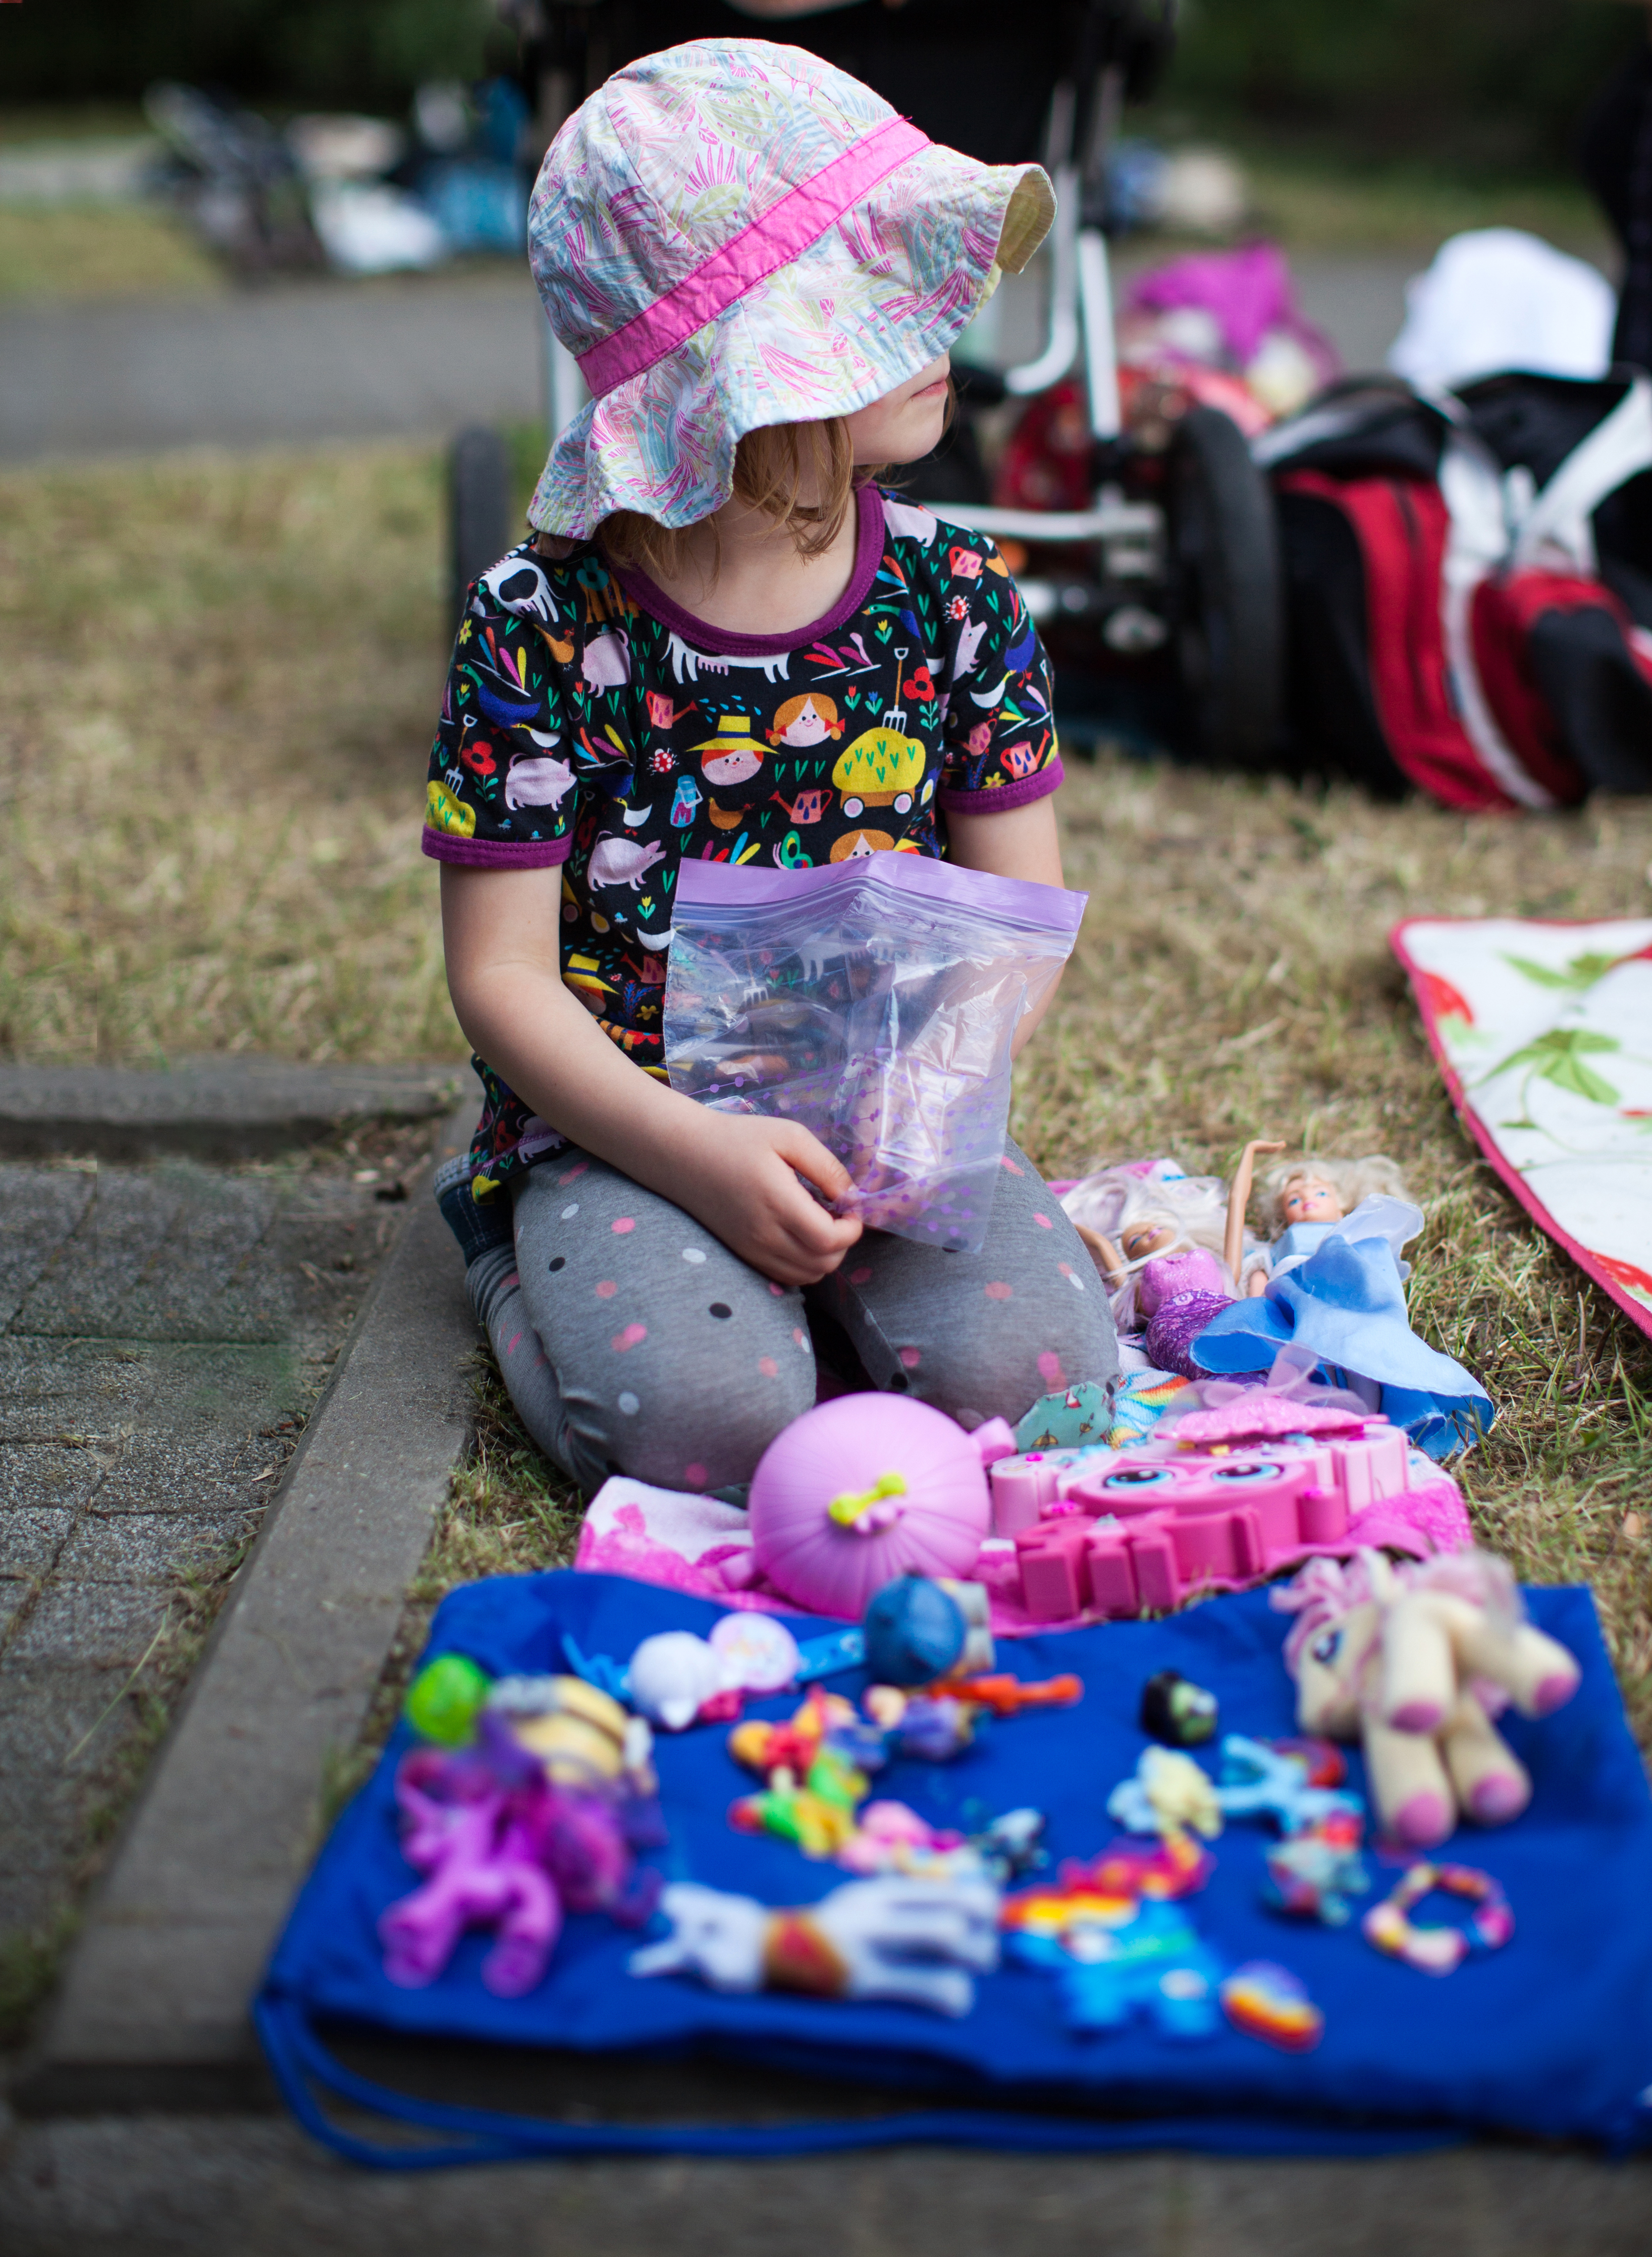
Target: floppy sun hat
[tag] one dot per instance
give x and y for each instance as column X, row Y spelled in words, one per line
column 732, row 234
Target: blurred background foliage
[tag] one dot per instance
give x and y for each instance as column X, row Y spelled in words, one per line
column 347, row 55
column 1471, row 84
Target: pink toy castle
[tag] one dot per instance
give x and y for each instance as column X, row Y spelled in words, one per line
column 1101, row 1532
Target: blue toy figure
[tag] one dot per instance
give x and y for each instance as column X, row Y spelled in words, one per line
column 1154, row 1964
column 1314, row 1873
column 1261, row 1781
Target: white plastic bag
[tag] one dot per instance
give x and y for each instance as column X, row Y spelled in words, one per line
column 874, row 1002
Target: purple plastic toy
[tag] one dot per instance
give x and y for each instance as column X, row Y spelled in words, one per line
column 502, row 1847
column 1179, row 1294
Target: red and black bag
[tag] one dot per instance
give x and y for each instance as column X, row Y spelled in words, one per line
column 1469, row 586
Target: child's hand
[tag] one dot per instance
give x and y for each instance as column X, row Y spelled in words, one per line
column 738, row 1177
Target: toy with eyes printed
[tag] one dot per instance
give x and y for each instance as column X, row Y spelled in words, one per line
column 1415, row 1661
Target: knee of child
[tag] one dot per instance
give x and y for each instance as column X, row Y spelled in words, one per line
column 684, row 1434
column 1058, row 1341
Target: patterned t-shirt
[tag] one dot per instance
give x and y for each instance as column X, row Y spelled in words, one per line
column 589, row 721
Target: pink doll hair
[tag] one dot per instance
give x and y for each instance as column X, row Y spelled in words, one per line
column 1351, row 1180
column 1325, row 1590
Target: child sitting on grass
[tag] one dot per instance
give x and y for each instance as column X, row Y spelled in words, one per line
column 760, row 269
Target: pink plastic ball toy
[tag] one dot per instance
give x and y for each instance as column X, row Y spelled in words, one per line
column 860, row 1490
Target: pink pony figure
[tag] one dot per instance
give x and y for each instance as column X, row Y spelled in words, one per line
column 510, row 1856
column 1415, row 1661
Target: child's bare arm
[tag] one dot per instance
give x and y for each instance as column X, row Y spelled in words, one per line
column 1022, row 843
column 500, row 933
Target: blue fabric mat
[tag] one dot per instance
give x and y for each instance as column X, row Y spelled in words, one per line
column 1550, row 2036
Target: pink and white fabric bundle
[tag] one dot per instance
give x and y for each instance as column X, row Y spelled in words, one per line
column 732, row 234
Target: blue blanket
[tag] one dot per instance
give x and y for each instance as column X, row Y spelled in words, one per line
column 1552, row 2035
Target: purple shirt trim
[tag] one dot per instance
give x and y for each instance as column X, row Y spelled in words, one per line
column 999, row 798
column 496, row 854
column 869, row 553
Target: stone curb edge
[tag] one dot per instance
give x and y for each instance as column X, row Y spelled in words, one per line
column 215, row 1108
column 153, row 2009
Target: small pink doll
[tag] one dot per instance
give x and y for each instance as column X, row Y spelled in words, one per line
column 1129, row 1216
column 1179, row 1284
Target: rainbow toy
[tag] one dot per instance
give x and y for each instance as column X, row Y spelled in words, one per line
column 1270, row 2003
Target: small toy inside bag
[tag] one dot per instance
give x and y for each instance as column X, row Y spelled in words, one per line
column 873, row 1002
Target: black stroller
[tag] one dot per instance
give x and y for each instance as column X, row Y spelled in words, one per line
column 1171, row 572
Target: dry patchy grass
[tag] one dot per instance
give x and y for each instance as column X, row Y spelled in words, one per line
column 103, row 251
column 222, row 679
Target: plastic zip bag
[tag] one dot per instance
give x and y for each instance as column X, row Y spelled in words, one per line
column 873, row 1001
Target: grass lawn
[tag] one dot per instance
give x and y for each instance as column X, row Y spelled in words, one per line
column 222, row 677
column 100, row 250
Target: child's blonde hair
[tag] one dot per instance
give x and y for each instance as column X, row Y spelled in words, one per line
column 773, row 468
column 1351, row 1180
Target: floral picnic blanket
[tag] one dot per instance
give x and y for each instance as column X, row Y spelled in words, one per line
column 1543, row 1032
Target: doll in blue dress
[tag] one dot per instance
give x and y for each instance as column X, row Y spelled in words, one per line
column 1336, row 1285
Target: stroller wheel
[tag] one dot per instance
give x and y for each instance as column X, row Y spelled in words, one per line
column 1226, row 592
column 478, row 508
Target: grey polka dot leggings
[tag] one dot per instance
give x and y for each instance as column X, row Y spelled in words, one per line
column 634, row 1341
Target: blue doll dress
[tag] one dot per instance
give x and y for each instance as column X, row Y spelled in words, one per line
column 1346, row 1301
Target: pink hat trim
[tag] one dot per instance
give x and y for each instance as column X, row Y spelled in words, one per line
column 800, row 217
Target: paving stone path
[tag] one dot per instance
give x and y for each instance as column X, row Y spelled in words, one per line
column 203, row 2187
column 163, row 1330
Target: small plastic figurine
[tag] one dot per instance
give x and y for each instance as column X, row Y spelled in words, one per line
column 891, row 1838
column 920, row 1942
column 1119, row 1949
column 1162, row 1220
column 676, row 1679
column 1286, row 1781
column 1166, row 1794
column 1177, row 1711
column 501, row 1846
column 1270, row 2003
column 580, row 1736
column 445, row 1698
column 1314, row 1872
column 934, row 1726
column 1416, row 1660
column 918, row 1628
column 816, row 1812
